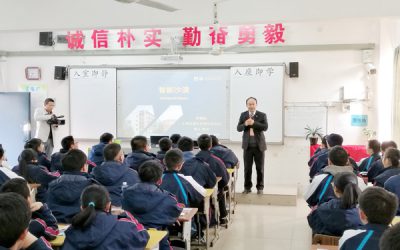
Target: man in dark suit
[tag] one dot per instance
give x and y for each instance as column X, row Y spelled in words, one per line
column 253, row 124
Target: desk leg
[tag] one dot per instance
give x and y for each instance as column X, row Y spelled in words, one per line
column 187, row 229
column 207, row 214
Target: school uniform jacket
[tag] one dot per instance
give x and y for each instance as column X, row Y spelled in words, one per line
column 6, row 174
column 181, row 188
column 317, row 153
column 366, row 164
column 393, row 185
column 330, row 219
column 160, row 155
column 108, row 232
column 137, row 157
column 216, row 165
column 56, row 158
column 96, row 153
column 226, row 155
column 320, row 162
column 43, row 223
column 200, row 171
column 367, row 237
column 40, row 244
column 112, row 175
column 43, row 160
column 375, row 170
column 385, row 175
column 63, row 194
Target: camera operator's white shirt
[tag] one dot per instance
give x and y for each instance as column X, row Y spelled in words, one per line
column 42, row 128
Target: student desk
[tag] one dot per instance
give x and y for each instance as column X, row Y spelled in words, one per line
column 211, row 194
column 231, row 191
column 186, row 217
column 155, row 238
column 59, row 240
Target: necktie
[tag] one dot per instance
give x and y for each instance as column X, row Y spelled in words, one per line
column 251, row 129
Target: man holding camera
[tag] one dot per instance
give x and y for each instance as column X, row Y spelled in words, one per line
column 46, row 123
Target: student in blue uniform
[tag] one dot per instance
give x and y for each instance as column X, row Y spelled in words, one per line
column 377, row 166
column 43, row 222
column 37, row 145
column 323, row 149
column 113, row 173
column 320, row 189
column 15, row 216
column 224, row 153
column 194, row 166
column 140, row 153
column 34, row 173
column 67, row 143
column 341, row 213
column 377, row 210
column 165, row 144
column 390, row 166
column 96, row 153
column 175, row 138
column 390, row 240
column 64, row 193
column 151, row 205
column 95, row 228
column 373, row 149
column 177, row 183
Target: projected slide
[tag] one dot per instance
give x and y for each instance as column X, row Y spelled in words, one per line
column 161, row 102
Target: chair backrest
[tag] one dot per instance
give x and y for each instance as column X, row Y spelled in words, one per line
column 325, row 240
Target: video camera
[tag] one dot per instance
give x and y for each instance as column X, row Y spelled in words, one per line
column 55, row 120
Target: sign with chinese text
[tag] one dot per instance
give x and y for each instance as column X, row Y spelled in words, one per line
column 359, row 120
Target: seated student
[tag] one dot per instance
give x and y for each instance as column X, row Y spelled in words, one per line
column 390, row 166
column 29, row 169
column 140, row 153
column 338, row 214
column 219, row 169
column 67, row 143
column 95, row 228
column 175, row 138
column 377, row 210
column 37, row 145
column 224, row 153
column 390, row 239
column 323, row 149
column 15, row 216
column 165, row 145
column 193, row 166
column 377, row 166
column 373, row 150
column 5, row 173
column 112, row 173
column 320, row 190
column 64, row 193
column 96, row 153
column 151, row 205
column 43, row 222
column 188, row 192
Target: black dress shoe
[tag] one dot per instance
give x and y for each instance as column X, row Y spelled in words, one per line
column 246, row 191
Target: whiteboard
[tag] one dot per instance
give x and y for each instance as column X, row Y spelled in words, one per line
column 264, row 83
column 92, row 102
column 298, row 117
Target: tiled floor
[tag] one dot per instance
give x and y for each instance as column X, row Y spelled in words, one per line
column 267, row 227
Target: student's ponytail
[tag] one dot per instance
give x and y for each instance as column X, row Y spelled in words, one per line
column 346, row 184
column 28, row 156
column 94, row 198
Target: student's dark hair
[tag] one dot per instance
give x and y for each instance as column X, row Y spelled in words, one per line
column 375, row 146
column 204, row 142
column 185, row 144
column 47, row 100
column 165, row 144
column 94, row 198
column 34, row 144
column 139, row 142
column 15, row 216
column 380, row 206
column 1, row 152
column 347, row 184
column 390, row 238
column 67, row 142
column 74, row 160
column 150, row 171
column 392, row 154
column 388, row 144
column 27, row 156
column 249, row 98
column 16, row 185
column 175, row 138
column 106, row 138
column 214, row 140
column 338, row 156
column 111, row 151
column 324, row 142
column 173, row 158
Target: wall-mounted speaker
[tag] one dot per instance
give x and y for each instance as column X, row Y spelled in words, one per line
column 294, row 69
column 46, row 39
column 60, row 72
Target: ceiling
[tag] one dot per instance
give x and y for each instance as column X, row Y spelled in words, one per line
column 70, row 14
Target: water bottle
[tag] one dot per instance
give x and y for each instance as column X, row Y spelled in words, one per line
column 124, row 186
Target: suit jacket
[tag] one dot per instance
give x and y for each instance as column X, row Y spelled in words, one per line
column 42, row 128
column 260, row 125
